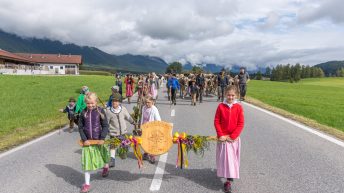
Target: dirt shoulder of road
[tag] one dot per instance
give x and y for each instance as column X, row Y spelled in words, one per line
column 308, row 122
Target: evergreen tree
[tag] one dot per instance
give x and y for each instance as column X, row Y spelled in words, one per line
column 175, row 67
column 297, row 72
column 340, row 72
column 259, row 76
column 196, row 69
column 268, row 72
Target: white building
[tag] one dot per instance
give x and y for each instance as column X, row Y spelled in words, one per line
column 26, row 63
column 55, row 63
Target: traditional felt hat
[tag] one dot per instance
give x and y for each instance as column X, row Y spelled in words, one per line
column 116, row 97
column 71, row 99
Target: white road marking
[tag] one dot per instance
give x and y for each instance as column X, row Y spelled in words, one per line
column 173, row 113
column 159, row 172
column 30, row 143
column 308, row 129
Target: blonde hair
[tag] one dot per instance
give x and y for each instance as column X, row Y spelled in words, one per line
column 232, row 88
column 91, row 96
column 150, row 98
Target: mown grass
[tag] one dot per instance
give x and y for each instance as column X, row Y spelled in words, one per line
column 29, row 104
column 317, row 99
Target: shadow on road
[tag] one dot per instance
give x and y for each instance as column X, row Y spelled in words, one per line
column 68, row 174
column 204, row 177
column 79, row 151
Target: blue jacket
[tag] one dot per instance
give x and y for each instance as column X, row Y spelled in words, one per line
column 173, row 82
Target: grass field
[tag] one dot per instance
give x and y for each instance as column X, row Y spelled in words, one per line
column 319, row 99
column 29, row 104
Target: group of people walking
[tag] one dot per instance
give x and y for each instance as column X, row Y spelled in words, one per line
column 97, row 123
column 198, row 85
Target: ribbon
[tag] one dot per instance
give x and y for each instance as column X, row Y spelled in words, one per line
column 182, row 159
column 137, row 151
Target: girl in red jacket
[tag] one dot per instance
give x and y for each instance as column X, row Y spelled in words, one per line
column 229, row 122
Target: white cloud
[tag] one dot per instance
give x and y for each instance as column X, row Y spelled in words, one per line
column 226, row 32
column 317, row 10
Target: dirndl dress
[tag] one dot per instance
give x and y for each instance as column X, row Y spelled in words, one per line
column 153, row 91
column 228, row 159
column 129, row 90
column 94, row 157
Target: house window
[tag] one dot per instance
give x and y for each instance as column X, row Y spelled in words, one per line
column 51, row 67
column 61, row 67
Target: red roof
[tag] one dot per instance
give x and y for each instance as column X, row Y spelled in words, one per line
column 10, row 56
column 52, row 58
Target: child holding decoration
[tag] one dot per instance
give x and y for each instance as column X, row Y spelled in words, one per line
column 117, row 115
column 229, row 122
column 93, row 125
column 149, row 113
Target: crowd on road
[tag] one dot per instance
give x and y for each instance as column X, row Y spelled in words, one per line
column 98, row 123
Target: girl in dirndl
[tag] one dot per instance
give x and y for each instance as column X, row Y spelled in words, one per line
column 129, row 86
column 153, row 86
column 93, row 125
column 149, row 113
column 229, row 122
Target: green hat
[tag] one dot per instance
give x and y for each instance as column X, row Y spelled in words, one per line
column 116, row 97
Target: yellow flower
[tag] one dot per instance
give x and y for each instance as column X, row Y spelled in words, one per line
column 176, row 134
column 175, row 139
column 139, row 140
column 183, row 135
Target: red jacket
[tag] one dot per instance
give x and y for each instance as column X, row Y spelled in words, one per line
column 229, row 121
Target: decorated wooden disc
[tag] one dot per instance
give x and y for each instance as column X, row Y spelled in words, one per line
column 156, row 137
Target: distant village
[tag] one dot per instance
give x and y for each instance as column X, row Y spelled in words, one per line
column 35, row 64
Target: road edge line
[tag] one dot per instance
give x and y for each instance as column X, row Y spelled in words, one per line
column 30, row 143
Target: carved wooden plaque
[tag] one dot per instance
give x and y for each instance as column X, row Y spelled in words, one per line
column 156, row 137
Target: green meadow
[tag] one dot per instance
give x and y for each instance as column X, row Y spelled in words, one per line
column 30, row 104
column 320, row 99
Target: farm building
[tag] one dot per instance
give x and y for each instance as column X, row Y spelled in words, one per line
column 26, row 63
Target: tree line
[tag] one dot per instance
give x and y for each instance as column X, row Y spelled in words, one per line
column 177, row 67
column 294, row 73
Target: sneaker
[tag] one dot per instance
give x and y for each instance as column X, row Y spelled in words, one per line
column 85, row 188
column 152, row 159
column 227, row 187
column 112, row 163
column 105, row 172
column 145, row 156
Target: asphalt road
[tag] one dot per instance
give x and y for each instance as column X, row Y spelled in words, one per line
column 276, row 156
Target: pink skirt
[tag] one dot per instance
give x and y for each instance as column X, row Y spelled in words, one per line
column 129, row 91
column 153, row 92
column 228, row 159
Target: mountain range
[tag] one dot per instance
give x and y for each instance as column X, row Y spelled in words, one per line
column 96, row 59
column 93, row 58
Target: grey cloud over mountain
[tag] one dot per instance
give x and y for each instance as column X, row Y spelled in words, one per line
column 224, row 32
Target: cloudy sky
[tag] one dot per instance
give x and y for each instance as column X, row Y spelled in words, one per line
column 245, row 32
